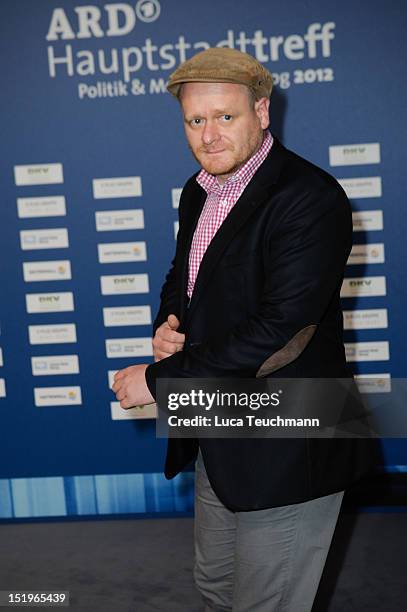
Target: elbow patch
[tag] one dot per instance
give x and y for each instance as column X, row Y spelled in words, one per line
column 288, row 353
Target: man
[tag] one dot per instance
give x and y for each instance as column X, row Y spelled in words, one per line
column 254, row 286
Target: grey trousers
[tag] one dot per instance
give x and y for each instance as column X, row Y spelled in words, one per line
column 264, row 560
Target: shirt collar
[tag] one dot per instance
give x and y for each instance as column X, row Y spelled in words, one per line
column 210, row 183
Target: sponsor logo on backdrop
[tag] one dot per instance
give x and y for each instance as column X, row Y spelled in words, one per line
column 1, row 357
column 116, row 252
column 176, row 228
column 68, row 58
column 44, row 239
column 124, row 283
column 138, row 412
column 373, row 383
column 47, row 270
column 38, row 174
column 118, row 187
column 127, row 315
column 367, row 351
column 176, row 196
column 112, row 220
column 364, row 187
column 52, row 334
column 129, row 347
column 49, row 365
column 367, row 220
column 49, row 302
column 57, row 396
column 354, row 154
column 2, row 387
column 366, row 253
column 364, row 286
column 374, row 318
column 52, row 206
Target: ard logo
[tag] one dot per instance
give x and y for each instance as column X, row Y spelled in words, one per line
column 148, row 10
column 90, row 22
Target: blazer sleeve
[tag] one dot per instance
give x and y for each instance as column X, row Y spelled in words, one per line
column 304, row 259
column 169, row 297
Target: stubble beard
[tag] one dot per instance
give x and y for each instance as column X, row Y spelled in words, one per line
column 234, row 165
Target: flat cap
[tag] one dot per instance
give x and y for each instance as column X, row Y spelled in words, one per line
column 223, row 65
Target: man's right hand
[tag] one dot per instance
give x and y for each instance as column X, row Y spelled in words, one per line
column 167, row 340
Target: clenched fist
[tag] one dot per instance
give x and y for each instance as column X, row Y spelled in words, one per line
column 131, row 388
column 167, row 340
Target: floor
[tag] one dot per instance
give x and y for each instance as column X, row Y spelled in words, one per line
column 145, row 565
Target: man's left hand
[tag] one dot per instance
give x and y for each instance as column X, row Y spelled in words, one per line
column 131, row 388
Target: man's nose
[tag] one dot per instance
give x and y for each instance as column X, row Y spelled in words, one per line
column 210, row 133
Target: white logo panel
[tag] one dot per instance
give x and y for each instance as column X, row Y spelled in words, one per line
column 138, row 412
column 176, row 196
column 367, row 351
column 116, row 220
column 364, row 286
column 49, row 302
column 374, row 318
column 110, row 377
column 44, row 239
column 124, row 283
column 129, row 347
column 118, row 252
column 366, row 253
column 373, row 383
column 1, row 357
column 119, row 187
column 52, row 334
column 52, row 206
column 57, row 396
column 363, row 187
column 38, row 174
column 367, row 220
column 2, row 387
column 36, row 271
column 356, row 154
column 49, row 365
column 127, row 315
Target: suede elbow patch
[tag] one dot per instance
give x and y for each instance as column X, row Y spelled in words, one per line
column 288, row 353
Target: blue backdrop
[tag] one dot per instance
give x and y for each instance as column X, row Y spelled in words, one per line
column 93, row 156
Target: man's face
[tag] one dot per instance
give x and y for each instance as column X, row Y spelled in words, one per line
column 223, row 126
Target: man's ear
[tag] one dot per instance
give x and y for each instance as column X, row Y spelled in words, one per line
column 262, row 111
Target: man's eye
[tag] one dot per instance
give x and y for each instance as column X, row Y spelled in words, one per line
column 196, row 121
column 227, row 117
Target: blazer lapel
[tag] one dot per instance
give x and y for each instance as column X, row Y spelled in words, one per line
column 195, row 200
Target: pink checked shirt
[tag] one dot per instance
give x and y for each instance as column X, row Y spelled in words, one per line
column 219, row 202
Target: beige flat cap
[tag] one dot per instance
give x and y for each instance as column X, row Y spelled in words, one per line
column 223, row 65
